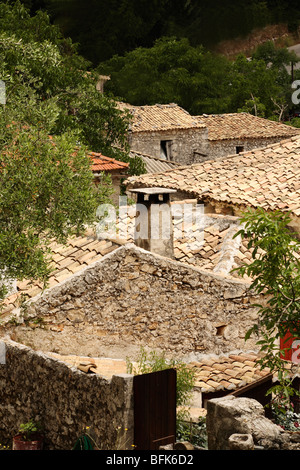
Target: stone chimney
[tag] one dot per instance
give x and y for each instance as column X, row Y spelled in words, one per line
column 153, row 222
column 101, row 82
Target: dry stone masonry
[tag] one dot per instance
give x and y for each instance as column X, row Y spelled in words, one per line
column 65, row 400
column 139, row 298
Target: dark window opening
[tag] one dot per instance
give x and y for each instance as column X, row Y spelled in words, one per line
column 239, row 149
column 220, row 330
column 166, row 149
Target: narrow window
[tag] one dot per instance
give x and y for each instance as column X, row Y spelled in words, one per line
column 166, row 149
column 239, row 149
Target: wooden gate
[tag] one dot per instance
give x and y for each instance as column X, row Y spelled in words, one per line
column 154, row 409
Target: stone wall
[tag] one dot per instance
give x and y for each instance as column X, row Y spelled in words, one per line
column 187, row 146
column 190, row 146
column 64, row 399
column 223, row 148
column 135, row 297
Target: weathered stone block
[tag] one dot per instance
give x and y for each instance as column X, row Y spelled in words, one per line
column 230, row 415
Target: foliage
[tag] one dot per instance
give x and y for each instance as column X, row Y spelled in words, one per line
column 185, row 379
column 275, row 274
column 153, row 362
column 45, row 77
column 161, row 59
column 255, row 80
column 200, row 81
column 193, row 432
column 140, row 22
column 29, row 430
column 295, row 122
column 171, row 71
column 31, row 212
column 287, row 419
column 52, row 117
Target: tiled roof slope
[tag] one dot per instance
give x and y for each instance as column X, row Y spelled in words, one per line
column 154, row 164
column 160, row 117
column 227, row 372
column 207, row 244
column 106, row 367
column 212, row 247
column 244, row 126
column 67, row 260
column 102, row 163
column 268, row 177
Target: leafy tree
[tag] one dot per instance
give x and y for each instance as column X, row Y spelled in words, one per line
column 103, row 28
column 275, row 274
column 254, row 80
column 52, row 117
column 39, row 65
column 202, row 82
column 275, row 57
column 171, row 71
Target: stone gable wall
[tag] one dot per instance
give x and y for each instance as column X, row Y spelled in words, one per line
column 144, row 299
column 64, row 399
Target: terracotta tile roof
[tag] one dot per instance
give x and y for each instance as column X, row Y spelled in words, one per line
column 212, row 247
column 67, row 260
column 244, row 126
column 160, row 117
column 268, row 177
column 154, row 164
column 207, row 244
column 227, row 372
column 224, row 372
column 102, row 163
column 106, row 367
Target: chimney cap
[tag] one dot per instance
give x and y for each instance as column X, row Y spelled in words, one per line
column 153, row 190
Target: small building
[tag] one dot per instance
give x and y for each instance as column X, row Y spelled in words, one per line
column 116, row 169
column 168, row 132
column 233, row 133
column 267, row 178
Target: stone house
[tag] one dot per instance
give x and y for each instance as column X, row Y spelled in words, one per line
column 267, row 177
column 233, row 133
column 171, row 133
column 99, row 289
column 167, row 132
column 106, row 298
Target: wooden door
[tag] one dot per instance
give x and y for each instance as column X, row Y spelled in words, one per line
column 154, row 409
